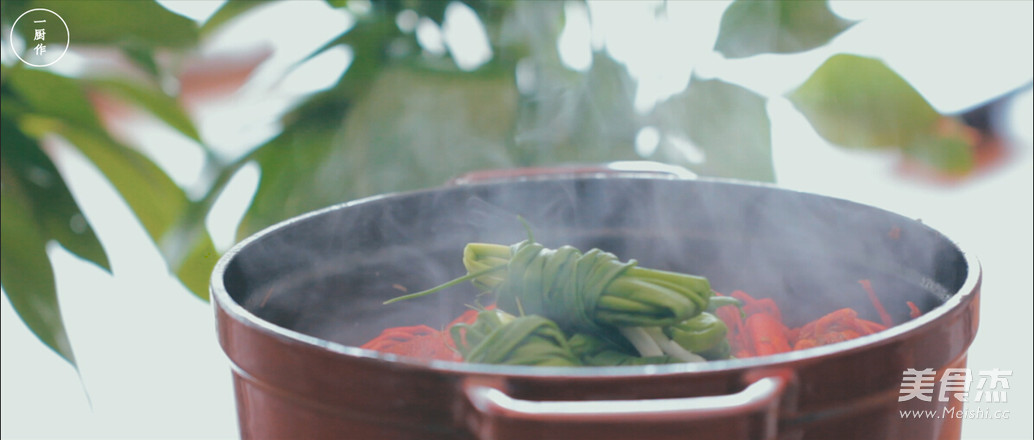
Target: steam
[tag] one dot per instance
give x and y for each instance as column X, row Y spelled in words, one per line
column 327, row 274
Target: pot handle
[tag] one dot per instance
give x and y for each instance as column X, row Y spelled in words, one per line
column 751, row 413
column 610, row 169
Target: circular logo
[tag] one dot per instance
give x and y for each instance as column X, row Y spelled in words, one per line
column 45, row 34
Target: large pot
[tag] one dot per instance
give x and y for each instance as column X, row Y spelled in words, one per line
column 295, row 301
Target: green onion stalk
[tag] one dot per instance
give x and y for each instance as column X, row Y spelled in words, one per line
column 593, row 351
column 497, row 337
column 660, row 314
column 583, row 291
column 703, row 334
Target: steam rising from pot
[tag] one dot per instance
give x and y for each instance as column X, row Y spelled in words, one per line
column 326, row 274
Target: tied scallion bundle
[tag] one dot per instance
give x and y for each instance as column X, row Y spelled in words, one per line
column 580, row 291
column 613, row 312
column 497, row 337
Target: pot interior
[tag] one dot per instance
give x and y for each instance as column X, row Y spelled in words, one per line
column 327, row 274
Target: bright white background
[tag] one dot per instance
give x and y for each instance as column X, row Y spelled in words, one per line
column 147, row 350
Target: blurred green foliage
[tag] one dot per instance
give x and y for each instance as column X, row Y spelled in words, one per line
column 757, row 27
column 859, row 102
column 401, row 119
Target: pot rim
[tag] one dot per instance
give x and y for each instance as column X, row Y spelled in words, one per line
column 222, row 300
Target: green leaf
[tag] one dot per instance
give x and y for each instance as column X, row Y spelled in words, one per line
column 727, row 123
column 417, row 128
column 142, row 22
column 59, row 105
column 56, row 215
column 574, row 117
column 51, row 95
column 310, row 134
column 528, row 30
column 153, row 196
column 946, row 148
column 25, row 271
column 337, row 3
column 564, row 116
column 367, row 38
column 10, row 10
column 432, row 10
column 412, row 129
column 230, row 10
column 189, row 250
column 156, row 200
column 281, row 193
column 27, row 277
column 194, row 269
column 859, row 102
column 752, row 27
column 154, row 101
column 143, row 57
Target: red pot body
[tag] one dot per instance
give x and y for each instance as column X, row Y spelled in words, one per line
column 295, row 382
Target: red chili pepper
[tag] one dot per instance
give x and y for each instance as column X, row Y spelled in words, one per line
column 418, row 341
column 753, row 306
column 884, row 316
column 767, row 334
column 793, row 335
column 396, row 335
column 421, row 341
column 468, row 317
column 914, row 311
column 840, row 320
column 840, row 325
column 733, row 320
